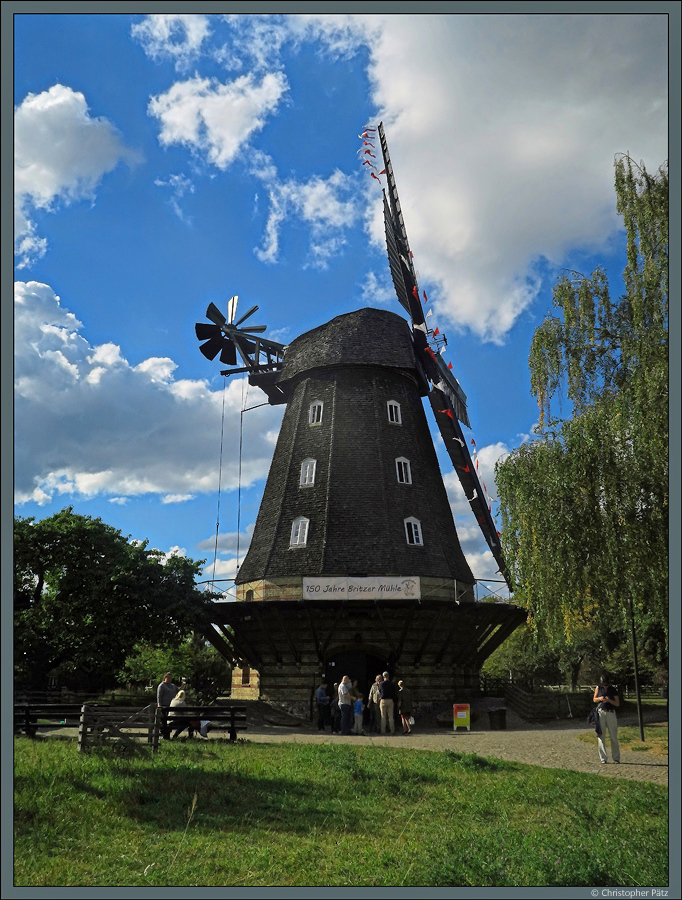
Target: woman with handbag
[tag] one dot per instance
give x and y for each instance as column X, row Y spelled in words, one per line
column 405, row 706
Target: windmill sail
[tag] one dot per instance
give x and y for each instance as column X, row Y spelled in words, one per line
column 446, row 397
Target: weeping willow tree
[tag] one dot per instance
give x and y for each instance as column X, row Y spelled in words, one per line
column 584, row 508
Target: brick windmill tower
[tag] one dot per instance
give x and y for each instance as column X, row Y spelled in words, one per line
column 355, row 565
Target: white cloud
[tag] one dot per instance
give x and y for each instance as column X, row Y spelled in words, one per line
column 486, row 458
column 256, row 42
column 502, row 135
column 223, row 569
column 214, row 119
column 89, row 423
column 179, row 185
column 172, row 36
column 484, row 568
column 341, row 34
column 157, row 368
column 324, row 204
column 229, row 542
column 174, row 551
column 503, row 139
column 376, row 290
column 61, row 153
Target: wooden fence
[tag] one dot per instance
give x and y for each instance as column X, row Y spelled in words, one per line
column 137, row 729
column 29, row 717
column 134, row 727
column 548, row 704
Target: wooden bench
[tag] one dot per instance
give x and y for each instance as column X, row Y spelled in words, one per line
column 222, row 718
column 98, row 723
column 29, row 717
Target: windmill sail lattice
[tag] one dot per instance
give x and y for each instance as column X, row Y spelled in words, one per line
column 446, row 397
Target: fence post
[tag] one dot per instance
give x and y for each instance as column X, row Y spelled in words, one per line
column 83, row 729
column 158, row 718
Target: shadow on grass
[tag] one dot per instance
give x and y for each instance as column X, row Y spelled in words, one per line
column 224, row 800
column 230, row 796
column 473, row 761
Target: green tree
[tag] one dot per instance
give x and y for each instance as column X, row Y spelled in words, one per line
column 206, row 671
column 84, row 595
column 523, row 658
column 585, row 507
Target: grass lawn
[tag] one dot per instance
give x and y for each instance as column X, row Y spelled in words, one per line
column 655, row 738
column 221, row 814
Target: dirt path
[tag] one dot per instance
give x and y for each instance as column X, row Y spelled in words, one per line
column 554, row 746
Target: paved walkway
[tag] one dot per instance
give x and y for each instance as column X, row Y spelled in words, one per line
column 554, row 746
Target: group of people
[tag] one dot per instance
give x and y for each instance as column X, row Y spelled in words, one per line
column 387, row 706
column 171, row 699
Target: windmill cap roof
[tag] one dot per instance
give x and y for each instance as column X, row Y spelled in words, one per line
column 364, row 337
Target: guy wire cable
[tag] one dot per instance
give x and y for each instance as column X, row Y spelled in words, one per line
column 220, row 477
column 239, row 476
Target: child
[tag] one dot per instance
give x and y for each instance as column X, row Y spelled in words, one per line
column 358, row 710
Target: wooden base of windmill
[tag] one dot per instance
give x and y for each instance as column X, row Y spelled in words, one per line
column 435, row 643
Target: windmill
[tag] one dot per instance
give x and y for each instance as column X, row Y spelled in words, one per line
column 355, row 564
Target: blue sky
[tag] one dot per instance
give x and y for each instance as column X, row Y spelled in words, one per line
column 164, row 162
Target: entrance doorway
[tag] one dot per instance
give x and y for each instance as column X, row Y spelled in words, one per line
column 356, row 664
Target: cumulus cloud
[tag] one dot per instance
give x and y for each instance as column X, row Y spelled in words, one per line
column 324, row 204
column 502, row 136
column 255, row 44
column 341, row 34
column 511, row 158
column 215, row 119
column 176, row 37
column 61, row 153
column 229, row 542
column 486, row 458
column 88, row 423
column 376, row 290
column 217, row 122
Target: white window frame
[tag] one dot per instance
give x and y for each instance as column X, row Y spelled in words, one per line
column 315, row 412
column 403, row 470
column 308, row 469
column 413, row 532
column 299, row 532
column 394, row 414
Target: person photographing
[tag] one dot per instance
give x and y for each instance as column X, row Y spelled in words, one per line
column 608, row 700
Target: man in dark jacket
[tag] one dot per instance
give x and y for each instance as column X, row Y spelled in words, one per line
column 165, row 692
column 388, row 691
column 322, row 700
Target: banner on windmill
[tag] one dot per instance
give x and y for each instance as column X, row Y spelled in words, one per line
column 362, row 588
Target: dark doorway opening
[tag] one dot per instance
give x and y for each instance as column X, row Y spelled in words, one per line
column 356, row 664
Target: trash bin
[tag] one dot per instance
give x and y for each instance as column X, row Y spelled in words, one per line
column 461, row 716
column 498, row 719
